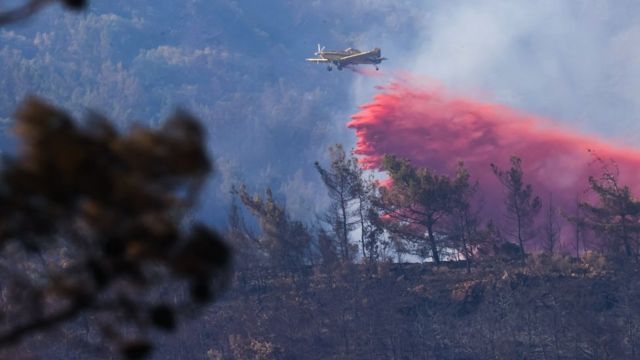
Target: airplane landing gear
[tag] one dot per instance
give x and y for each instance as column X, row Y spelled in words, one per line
column 340, row 67
column 329, row 68
column 377, row 68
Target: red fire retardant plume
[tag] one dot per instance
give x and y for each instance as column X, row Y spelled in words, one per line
column 435, row 130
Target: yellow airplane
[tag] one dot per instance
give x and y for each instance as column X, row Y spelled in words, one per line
column 347, row 57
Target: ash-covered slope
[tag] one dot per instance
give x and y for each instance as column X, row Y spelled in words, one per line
column 552, row 309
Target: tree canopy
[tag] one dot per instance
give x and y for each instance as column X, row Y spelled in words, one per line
column 417, row 200
column 522, row 204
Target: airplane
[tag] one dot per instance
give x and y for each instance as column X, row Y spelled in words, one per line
column 347, row 57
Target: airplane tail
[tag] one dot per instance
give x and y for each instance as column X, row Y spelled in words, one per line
column 320, row 50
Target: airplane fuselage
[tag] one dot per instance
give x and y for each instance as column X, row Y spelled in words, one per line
column 348, row 57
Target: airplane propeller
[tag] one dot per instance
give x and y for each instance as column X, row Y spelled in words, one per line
column 320, row 50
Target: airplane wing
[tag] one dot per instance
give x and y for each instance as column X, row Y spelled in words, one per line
column 355, row 58
column 317, row 60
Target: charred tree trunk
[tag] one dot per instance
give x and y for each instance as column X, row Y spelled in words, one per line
column 433, row 244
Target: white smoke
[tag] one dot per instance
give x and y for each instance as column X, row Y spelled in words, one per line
column 573, row 60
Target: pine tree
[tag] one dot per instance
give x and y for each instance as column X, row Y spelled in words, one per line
column 416, row 201
column 616, row 216
column 343, row 182
column 285, row 241
column 522, row 205
column 464, row 221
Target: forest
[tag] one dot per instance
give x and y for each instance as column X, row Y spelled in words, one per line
column 113, row 245
column 410, row 269
column 400, row 268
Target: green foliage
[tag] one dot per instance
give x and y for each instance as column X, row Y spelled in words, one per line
column 418, row 200
column 616, row 215
column 428, row 189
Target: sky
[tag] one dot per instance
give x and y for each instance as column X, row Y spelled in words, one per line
column 238, row 66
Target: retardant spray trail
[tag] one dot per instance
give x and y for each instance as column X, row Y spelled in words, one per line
column 366, row 71
column 435, row 130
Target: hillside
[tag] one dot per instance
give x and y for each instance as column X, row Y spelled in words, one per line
column 551, row 309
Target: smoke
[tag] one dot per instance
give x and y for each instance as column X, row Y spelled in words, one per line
column 571, row 61
column 366, row 71
column 575, row 61
column 436, row 130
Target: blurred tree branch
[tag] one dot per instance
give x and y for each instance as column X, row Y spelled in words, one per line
column 31, row 7
column 93, row 222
